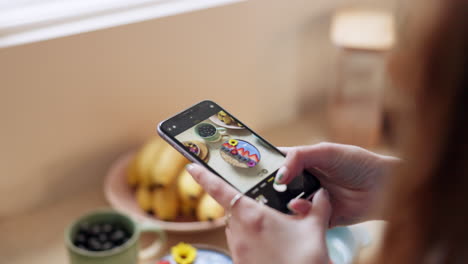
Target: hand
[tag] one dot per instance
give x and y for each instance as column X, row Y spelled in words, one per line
column 258, row 234
column 353, row 176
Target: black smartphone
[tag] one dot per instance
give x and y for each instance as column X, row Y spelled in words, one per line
column 211, row 136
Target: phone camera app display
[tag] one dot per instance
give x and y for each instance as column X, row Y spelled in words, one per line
column 233, row 151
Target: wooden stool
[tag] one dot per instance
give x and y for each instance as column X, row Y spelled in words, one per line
column 363, row 37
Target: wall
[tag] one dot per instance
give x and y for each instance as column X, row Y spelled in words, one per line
column 69, row 106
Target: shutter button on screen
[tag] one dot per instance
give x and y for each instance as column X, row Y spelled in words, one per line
column 280, row 187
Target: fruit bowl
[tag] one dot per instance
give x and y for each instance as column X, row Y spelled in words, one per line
column 121, row 196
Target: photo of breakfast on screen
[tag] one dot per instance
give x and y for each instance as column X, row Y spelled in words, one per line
column 232, row 150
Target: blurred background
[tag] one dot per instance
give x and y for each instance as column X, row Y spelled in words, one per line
column 76, row 94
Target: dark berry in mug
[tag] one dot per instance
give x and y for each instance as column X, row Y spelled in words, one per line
column 206, row 130
column 100, row 236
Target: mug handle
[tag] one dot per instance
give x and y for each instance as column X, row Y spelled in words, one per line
column 222, row 130
column 155, row 248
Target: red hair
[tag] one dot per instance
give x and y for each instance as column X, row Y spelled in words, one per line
column 427, row 200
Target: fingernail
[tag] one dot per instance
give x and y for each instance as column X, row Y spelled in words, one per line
column 319, row 192
column 189, row 167
column 325, row 192
column 299, row 206
column 311, row 197
column 289, row 206
column 280, row 175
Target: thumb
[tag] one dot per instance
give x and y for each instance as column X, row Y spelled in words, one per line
column 321, row 209
column 322, row 156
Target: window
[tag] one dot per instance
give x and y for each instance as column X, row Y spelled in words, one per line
column 24, row 21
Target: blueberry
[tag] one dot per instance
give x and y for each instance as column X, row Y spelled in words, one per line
column 95, row 229
column 117, row 236
column 84, row 227
column 107, row 228
column 82, row 246
column 107, row 246
column 94, row 244
column 80, row 238
column 103, row 237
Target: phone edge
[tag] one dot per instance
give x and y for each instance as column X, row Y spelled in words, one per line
column 174, row 144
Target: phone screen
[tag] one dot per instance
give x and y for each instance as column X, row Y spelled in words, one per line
column 233, row 151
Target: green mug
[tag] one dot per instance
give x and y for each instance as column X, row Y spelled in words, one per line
column 127, row 253
column 209, row 132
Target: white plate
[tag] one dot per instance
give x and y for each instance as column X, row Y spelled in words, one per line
column 218, row 122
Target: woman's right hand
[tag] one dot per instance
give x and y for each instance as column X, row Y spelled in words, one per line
column 257, row 233
column 352, row 175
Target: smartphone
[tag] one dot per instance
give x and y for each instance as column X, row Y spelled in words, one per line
column 211, row 136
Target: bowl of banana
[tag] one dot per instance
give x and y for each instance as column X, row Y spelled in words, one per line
column 151, row 184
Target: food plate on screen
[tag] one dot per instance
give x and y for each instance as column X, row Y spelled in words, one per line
column 225, row 120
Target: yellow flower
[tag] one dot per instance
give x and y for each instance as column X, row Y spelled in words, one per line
column 233, row 142
column 184, row 253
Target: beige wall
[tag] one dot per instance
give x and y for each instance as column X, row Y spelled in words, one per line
column 68, row 106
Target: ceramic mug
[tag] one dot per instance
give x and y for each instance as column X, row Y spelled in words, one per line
column 209, row 132
column 342, row 245
column 127, row 253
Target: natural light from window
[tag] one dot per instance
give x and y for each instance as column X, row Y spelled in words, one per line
column 26, row 21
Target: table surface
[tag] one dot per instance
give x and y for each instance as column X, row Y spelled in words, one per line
column 37, row 236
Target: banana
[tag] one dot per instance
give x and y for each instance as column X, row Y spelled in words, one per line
column 188, row 208
column 225, row 118
column 146, row 158
column 208, row 209
column 143, row 197
column 165, row 203
column 189, row 189
column 167, row 167
column 132, row 173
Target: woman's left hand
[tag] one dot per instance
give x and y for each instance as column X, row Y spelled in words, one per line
column 259, row 234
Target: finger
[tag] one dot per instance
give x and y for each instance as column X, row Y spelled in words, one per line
column 213, row 184
column 228, row 236
column 238, row 240
column 300, row 207
column 321, row 210
column 230, row 241
column 322, row 156
column 284, row 150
